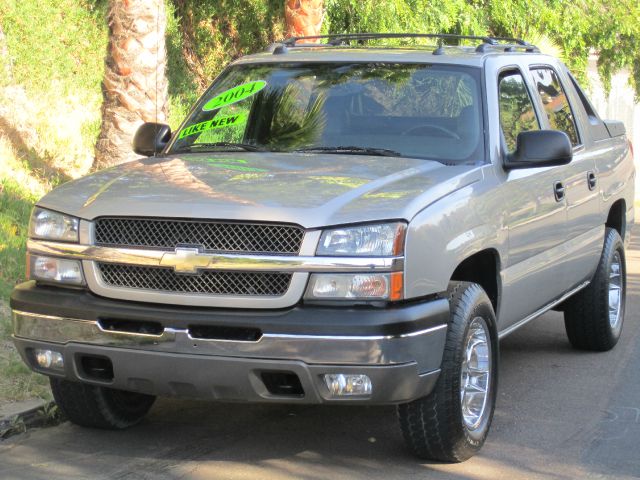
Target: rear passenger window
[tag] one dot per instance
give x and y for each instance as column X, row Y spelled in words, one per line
column 596, row 127
column 555, row 102
column 516, row 108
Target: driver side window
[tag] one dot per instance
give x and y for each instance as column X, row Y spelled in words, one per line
column 516, row 108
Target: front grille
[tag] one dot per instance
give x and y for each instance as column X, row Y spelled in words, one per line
column 210, row 282
column 212, row 236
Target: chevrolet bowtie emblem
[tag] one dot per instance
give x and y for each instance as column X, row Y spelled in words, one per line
column 186, row 260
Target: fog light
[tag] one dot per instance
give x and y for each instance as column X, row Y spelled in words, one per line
column 49, row 359
column 342, row 384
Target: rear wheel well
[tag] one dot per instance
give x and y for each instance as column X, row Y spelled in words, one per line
column 616, row 218
column 482, row 268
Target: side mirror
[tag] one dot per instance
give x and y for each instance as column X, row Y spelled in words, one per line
column 151, row 138
column 540, row 148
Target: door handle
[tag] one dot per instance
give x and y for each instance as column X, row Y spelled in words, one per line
column 558, row 191
column 592, row 180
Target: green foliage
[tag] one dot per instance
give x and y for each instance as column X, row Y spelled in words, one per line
column 215, row 32
column 15, row 208
column 203, row 37
column 612, row 29
column 183, row 90
column 17, row 382
column 56, row 46
column 56, row 58
column 442, row 16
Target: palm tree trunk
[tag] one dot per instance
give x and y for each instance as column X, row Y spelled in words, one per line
column 134, row 87
column 303, row 17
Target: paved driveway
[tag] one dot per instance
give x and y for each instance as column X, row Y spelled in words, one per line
column 560, row 414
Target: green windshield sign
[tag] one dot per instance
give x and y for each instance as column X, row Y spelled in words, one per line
column 213, row 123
column 234, row 95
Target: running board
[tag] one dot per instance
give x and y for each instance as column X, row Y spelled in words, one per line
column 544, row 309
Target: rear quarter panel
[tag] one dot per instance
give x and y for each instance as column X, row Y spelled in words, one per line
column 616, row 174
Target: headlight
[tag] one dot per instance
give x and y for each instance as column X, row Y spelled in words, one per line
column 49, row 225
column 364, row 240
column 355, row 286
column 58, row 270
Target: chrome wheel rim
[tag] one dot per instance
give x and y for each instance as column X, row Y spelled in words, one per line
column 615, row 290
column 475, row 376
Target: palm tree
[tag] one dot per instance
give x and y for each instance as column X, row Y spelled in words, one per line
column 134, row 87
column 303, row 17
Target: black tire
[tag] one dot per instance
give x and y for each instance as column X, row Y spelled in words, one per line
column 586, row 314
column 433, row 426
column 99, row 407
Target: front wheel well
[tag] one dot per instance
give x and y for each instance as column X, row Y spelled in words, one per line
column 482, row 268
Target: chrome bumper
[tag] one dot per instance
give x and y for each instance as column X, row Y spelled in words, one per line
column 401, row 367
column 423, row 347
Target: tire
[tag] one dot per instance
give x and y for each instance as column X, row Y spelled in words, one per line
column 434, row 426
column 587, row 314
column 99, row 407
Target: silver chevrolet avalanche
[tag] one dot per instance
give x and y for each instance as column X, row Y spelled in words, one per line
column 336, row 223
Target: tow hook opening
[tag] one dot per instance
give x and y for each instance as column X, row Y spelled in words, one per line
column 283, row 384
column 96, row 368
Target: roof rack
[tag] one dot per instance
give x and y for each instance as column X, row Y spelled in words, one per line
column 340, row 39
column 508, row 47
column 345, row 39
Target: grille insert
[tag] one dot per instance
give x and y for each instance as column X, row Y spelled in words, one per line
column 210, row 282
column 212, row 236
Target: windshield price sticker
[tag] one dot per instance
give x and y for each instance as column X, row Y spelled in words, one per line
column 213, row 123
column 234, row 95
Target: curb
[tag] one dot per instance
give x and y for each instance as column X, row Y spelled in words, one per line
column 20, row 417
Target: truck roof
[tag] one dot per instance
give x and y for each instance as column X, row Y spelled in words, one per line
column 452, row 55
column 339, row 48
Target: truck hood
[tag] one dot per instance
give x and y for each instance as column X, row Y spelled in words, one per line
column 312, row 190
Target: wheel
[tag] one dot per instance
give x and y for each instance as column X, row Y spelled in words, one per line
column 99, row 407
column 593, row 317
column 452, row 422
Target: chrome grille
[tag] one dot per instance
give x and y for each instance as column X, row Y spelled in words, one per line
column 210, row 282
column 211, row 235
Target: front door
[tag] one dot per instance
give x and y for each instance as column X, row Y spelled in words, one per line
column 535, row 212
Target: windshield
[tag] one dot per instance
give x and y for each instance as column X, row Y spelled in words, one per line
column 409, row 110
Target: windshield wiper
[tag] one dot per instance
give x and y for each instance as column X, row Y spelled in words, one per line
column 353, row 150
column 242, row 146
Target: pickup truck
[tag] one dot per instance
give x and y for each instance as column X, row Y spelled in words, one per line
column 336, row 223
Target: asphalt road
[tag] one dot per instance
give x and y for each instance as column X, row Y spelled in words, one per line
column 560, row 414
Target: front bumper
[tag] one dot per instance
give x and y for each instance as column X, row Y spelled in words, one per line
column 399, row 348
